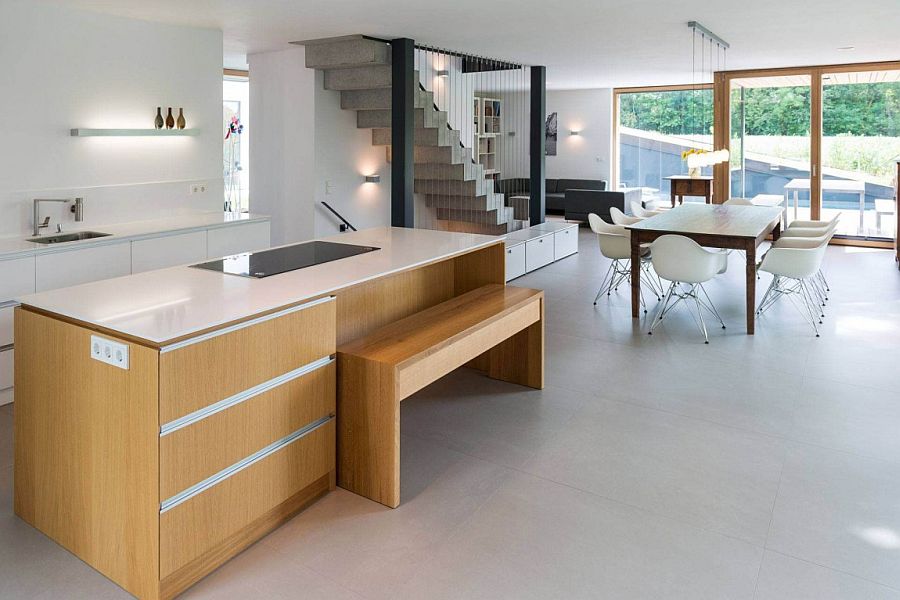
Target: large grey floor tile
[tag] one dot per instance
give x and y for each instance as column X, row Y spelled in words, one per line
column 715, row 477
column 857, row 419
column 784, row 578
column 841, row 511
column 373, row 549
column 492, row 420
column 536, row 539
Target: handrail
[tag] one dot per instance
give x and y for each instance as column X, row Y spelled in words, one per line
column 346, row 223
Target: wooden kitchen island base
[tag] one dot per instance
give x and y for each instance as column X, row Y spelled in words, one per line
column 499, row 329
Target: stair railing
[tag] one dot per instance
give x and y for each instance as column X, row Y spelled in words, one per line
column 345, row 225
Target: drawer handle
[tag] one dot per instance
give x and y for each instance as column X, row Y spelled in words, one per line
column 250, row 323
column 239, row 466
column 207, row 411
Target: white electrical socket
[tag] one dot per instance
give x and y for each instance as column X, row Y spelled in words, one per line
column 328, row 186
column 109, row 352
column 202, row 188
column 197, row 188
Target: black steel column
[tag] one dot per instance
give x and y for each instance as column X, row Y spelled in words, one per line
column 403, row 88
column 537, row 148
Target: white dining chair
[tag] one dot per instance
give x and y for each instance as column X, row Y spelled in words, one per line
column 615, row 244
column 738, row 202
column 792, row 270
column 798, row 224
column 687, row 265
column 638, row 210
column 819, row 282
column 620, row 218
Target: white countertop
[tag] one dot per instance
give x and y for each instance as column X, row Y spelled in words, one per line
column 19, row 246
column 162, row 305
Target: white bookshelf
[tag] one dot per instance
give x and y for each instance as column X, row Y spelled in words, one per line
column 487, row 123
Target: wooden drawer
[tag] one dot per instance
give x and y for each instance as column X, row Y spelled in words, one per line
column 198, row 450
column 515, row 261
column 538, row 252
column 209, row 368
column 225, row 513
column 565, row 242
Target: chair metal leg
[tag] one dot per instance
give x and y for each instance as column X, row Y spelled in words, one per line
column 710, row 307
column 660, row 312
column 606, row 279
column 693, row 293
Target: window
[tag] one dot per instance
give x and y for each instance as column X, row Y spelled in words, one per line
column 236, row 146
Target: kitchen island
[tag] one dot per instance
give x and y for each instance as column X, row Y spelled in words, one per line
column 166, row 420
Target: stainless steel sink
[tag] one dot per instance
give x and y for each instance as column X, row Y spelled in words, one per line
column 68, row 237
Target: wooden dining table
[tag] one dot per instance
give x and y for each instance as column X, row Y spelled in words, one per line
column 712, row 225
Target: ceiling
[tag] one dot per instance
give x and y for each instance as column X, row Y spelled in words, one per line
column 583, row 43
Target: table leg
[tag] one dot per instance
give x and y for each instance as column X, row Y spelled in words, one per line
column 635, row 274
column 862, row 212
column 797, row 203
column 751, row 285
column 776, row 233
column 672, row 194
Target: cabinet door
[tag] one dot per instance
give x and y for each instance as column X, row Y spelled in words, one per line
column 72, row 267
column 515, row 261
column 168, row 251
column 565, row 242
column 538, row 252
column 16, row 278
column 225, row 241
column 6, row 368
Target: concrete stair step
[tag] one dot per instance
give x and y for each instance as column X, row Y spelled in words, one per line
column 423, row 136
column 358, row 78
column 487, row 217
column 345, row 52
column 375, row 99
column 477, row 203
column 462, row 171
column 468, row 189
column 370, row 119
column 442, row 155
column 465, row 227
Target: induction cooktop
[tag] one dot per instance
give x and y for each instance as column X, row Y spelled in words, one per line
column 266, row 263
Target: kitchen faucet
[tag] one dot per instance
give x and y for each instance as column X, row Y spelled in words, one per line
column 77, row 208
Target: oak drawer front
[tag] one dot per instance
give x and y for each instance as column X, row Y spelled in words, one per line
column 198, row 524
column 198, row 450
column 202, row 371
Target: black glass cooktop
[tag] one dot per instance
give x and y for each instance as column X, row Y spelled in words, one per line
column 281, row 260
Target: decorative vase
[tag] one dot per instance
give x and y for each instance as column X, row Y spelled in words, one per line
column 159, row 122
column 170, row 120
column 180, row 121
column 694, row 172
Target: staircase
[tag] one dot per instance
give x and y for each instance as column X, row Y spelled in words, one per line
column 446, row 176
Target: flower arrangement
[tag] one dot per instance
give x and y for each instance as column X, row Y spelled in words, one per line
column 691, row 151
column 697, row 158
column 235, row 127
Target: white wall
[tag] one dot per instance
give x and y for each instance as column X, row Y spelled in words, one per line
column 588, row 155
column 67, row 68
column 303, row 140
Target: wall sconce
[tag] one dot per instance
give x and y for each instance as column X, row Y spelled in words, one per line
column 373, row 178
column 443, row 73
column 575, row 132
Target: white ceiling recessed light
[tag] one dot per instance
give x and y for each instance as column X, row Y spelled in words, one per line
column 847, row 48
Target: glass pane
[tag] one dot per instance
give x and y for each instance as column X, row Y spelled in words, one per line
column 655, row 128
column 860, row 147
column 770, row 142
column 236, row 144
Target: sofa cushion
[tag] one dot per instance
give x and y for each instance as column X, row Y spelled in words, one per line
column 550, row 186
column 580, row 184
column 555, row 201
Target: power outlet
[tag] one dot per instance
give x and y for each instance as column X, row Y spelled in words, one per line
column 197, row 188
column 109, row 352
column 328, row 187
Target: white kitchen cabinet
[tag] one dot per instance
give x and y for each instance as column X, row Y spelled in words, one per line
column 565, row 242
column 16, row 278
column 6, row 324
column 515, row 261
column 538, row 252
column 6, row 368
column 71, row 267
column 225, row 241
column 168, row 251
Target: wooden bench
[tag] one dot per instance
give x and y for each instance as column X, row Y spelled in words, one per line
column 495, row 328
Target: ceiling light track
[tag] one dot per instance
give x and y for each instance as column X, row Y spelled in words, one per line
column 699, row 28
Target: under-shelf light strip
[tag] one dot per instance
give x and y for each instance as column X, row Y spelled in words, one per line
column 240, row 465
column 251, row 322
column 256, row 390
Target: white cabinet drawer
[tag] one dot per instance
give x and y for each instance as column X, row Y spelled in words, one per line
column 515, row 261
column 565, row 242
column 63, row 269
column 538, row 252
column 16, row 278
column 6, row 368
column 6, row 325
column 225, row 241
column 168, row 251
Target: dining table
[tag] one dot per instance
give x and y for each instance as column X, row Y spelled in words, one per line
column 714, row 226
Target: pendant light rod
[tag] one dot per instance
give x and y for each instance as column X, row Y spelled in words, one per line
column 696, row 26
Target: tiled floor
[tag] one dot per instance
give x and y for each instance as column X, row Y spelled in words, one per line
column 650, row 467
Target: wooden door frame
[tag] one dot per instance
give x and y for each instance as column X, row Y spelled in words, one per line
column 614, row 155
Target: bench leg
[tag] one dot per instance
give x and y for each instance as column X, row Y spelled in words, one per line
column 520, row 359
column 368, row 420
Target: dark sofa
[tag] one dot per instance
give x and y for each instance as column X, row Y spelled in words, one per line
column 573, row 197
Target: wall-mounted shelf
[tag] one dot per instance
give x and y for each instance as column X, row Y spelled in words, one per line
column 133, row 132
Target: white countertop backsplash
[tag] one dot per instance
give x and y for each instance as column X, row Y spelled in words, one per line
column 19, row 247
column 163, row 305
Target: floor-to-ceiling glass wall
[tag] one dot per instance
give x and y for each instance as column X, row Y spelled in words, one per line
column 770, row 141
column 860, row 149
column 654, row 128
